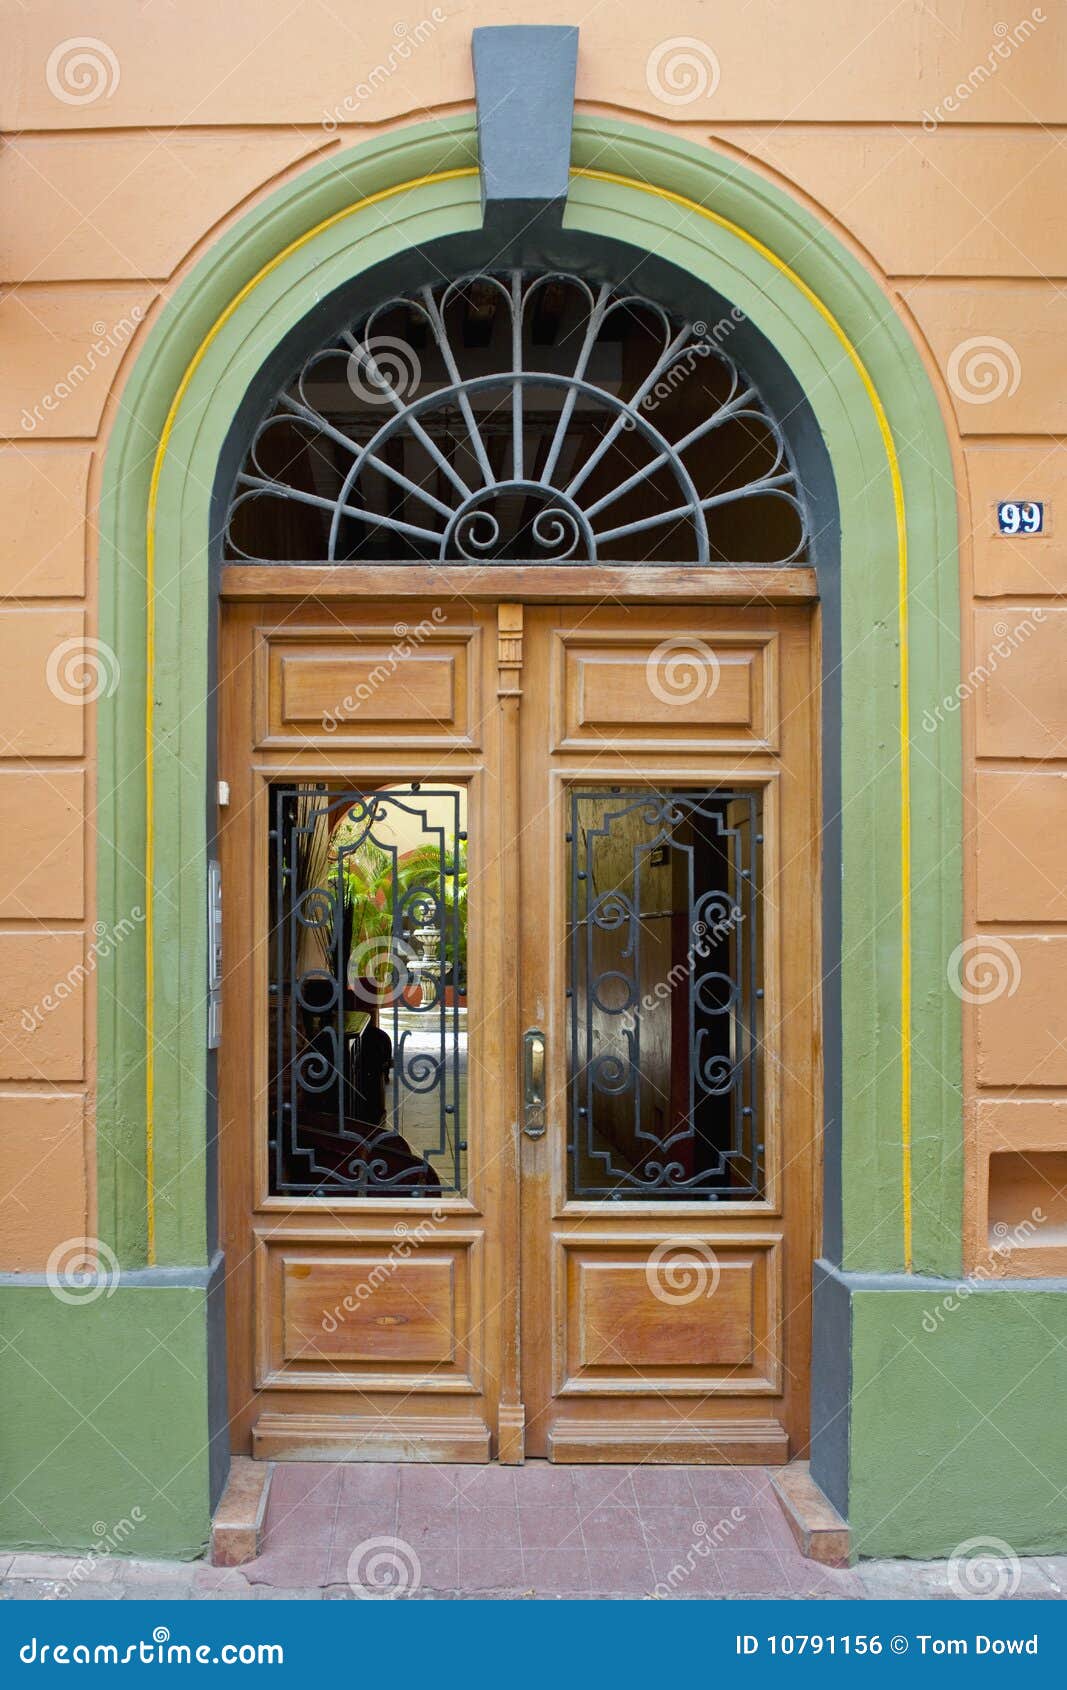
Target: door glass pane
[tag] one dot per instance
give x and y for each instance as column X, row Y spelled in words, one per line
column 368, row 990
column 665, row 994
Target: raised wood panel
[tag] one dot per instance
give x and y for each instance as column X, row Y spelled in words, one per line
column 368, row 1310
column 353, row 688
column 667, row 691
column 422, row 689
column 630, row 1324
column 339, row 1314
column 620, row 1319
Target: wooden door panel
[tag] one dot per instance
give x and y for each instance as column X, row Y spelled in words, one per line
column 618, row 1363
column 349, row 1312
column 695, row 1315
column 365, row 685
column 358, row 1326
column 664, row 690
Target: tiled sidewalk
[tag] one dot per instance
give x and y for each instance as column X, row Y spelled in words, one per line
column 532, row 1532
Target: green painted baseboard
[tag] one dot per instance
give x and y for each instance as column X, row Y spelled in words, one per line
column 104, row 1408
column 956, row 1418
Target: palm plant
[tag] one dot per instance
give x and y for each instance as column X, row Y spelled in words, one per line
column 378, row 885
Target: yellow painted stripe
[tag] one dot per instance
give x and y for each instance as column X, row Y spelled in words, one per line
column 902, row 633
column 902, row 623
column 150, row 639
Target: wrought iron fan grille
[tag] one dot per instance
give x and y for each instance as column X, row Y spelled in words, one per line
column 520, row 416
column 665, row 995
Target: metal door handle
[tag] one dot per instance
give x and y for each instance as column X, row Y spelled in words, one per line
column 533, row 1089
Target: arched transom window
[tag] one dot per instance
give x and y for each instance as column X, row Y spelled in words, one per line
column 519, row 416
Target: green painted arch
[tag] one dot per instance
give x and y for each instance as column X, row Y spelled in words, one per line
column 808, row 295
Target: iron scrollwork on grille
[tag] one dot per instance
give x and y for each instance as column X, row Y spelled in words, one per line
column 665, row 997
column 520, row 416
column 367, row 991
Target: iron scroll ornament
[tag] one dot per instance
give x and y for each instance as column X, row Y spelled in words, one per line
column 520, row 416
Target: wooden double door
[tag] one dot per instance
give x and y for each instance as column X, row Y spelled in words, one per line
column 518, row 1075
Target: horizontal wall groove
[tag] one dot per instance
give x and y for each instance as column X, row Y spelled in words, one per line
column 1018, row 600
column 1020, row 1094
column 62, row 1090
column 43, row 601
column 51, row 442
column 1020, row 764
column 70, row 925
column 1031, row 928
column 22, row 284
column 968, row 278
column 682, row 128
column 1035, row 438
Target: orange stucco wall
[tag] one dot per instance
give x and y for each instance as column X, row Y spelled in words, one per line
column 929, row 136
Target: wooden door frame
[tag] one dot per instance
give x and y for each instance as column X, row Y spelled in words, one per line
column 276, row 586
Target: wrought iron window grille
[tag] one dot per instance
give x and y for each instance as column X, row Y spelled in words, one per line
column 367, row 991
column 519, row 416
column 665, row 995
